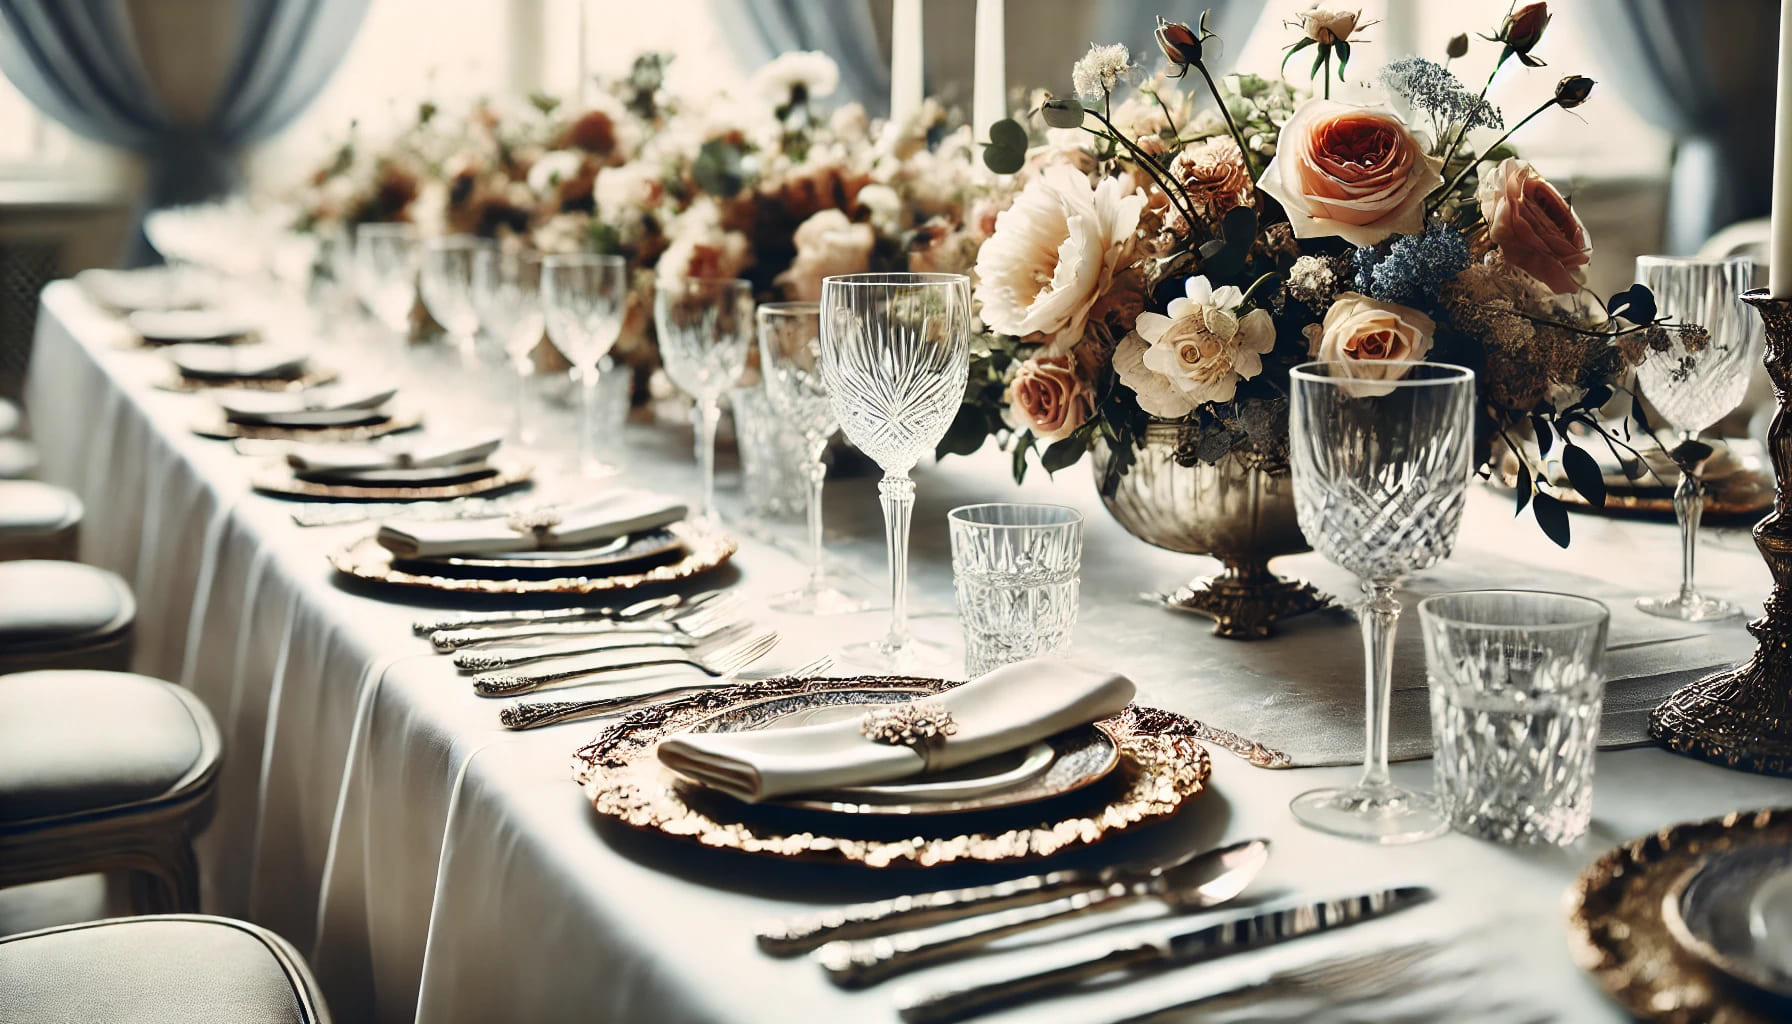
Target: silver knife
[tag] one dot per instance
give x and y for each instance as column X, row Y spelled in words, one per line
column 699, row 621
column 800, row 934
column 493, row 659
column 1197, row 883
column 1235, row 936
column 529, row 714
column 629, row 613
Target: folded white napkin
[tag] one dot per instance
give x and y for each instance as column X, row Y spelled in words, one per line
column 403, row 451
column 1001, row 710
column 614, row 515
column 304, row 406
column 199, row 360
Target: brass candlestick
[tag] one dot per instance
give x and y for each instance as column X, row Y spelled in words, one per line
column 1743, row 717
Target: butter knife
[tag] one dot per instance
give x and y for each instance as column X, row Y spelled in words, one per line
column 1235, row 936
column 1198, row 883
column 920, row 910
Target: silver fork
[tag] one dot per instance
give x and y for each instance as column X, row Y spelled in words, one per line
column 665, row 604
column 716, row 661
column 493, row 659
column 528, row 714
column 1344, row 979
column 684, row 620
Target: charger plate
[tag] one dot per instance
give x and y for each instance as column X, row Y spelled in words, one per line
column 1619, row 932
column 276, row 477
column 1161, row 768
column 183, row 384
column 706, row 548
column 215, row 424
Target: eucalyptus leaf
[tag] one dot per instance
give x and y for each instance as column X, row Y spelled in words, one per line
column 1063, row 113
column 1583, row 473
column 1008, row 134
column 1065, row 453
column 1552, row 518
column 1004, row 160
column 1524, row 488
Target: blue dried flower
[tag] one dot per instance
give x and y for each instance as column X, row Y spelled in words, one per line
column 1430, row 87
column 1413, row 268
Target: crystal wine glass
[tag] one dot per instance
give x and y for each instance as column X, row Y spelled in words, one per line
column 894, row 356
column 584, row 298
column 507, row 295
column 1694, row 386
column 705, row 327
column 386, row 259
column 790, row 359
column 1380, row 472
column 446, row 282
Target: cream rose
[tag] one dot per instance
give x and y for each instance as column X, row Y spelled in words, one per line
column 1195, row 355
column 1535, row 228
column 827, row 244
column 1354, row 172
column 1325, row 25
column 1047, row 397
column 1053, row 253
column 1369, row 334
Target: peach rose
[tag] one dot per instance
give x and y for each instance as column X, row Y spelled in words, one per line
column 827, row 244
column 1212, row 174
column 1354, row 172
column 1047, row 397
column 1535, row 228
column 1365, row 332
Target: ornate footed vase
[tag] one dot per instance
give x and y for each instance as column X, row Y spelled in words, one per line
column 1242, row 516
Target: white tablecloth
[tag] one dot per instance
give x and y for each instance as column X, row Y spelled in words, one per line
column 437, row 867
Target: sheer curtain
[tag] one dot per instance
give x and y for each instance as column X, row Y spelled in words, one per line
column 843, row 29
column 1134, row 23
column 83, row 63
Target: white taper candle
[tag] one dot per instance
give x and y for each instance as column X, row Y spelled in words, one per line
column 905, row 60
column 1779, row 275
column 989, row 102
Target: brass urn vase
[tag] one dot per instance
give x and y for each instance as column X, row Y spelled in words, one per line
column 1239, row 514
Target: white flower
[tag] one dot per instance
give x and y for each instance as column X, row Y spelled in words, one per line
column 1197, row 354
column 810, row 70
column 550, row 169
column 627, row 192
column 885, row 207
column 1102, row 68
column 1054, row 253
column 827, row 245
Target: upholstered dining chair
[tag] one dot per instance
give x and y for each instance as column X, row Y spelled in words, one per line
column 38, row 520
column 63, row 615
column 10, row 418
column 105, row 773
column 185, row 968
column 18, row 458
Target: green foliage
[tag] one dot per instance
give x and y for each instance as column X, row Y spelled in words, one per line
column 719, row 168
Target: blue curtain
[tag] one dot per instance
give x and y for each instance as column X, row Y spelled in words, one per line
column 1660, row 54
column 77, row 60
column 843, row 29
column 1134, row 22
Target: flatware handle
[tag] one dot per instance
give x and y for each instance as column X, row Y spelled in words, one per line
column 447, row 640
column 462, row 620
column 507, row 684
column 867, row 962
column 492, row 659
column 864, row 920
column 530, row 714
column 957, row 1004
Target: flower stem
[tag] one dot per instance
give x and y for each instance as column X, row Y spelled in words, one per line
column 1325, row 71
column 1460, row 175
column 1173, row 195
column 1231, row 126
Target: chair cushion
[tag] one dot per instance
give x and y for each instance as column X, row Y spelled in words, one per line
column 9, row 418
column 29, row 508
column 79, row 741
column 172, row 969
column 17, row 458
column 48, row 606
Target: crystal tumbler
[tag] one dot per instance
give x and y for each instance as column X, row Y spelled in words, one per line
column 774, row 457
column 1516, row 688
column 1015, row 570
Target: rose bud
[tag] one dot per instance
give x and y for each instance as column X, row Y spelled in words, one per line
column 1572, row 91
column 1458, row 47
column 1180, row 44
column 1524, row 27
column 1328, row 27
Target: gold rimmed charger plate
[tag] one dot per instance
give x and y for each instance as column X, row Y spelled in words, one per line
column 1619, row 931
column 183, row 384
column 706, row 548
column 1162, row 766
column 216, row 425
column 276, row 477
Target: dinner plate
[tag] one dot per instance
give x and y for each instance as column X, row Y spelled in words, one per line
column 237, row 362
column 399, row 476
column 336, row 406
column 187, row 385
column 143, row 288
column 174, row 326
column 274, row 476
column 706, row 547
column 1162, row 768
column 1734, row 910
column 1069, row 761
column 214, row 424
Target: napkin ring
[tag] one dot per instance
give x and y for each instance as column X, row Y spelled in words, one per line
column 535, row 521
column 921, row 725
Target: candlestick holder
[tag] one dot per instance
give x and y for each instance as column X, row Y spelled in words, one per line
column 1742, row 718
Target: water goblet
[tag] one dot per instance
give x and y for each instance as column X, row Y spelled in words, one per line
column 1380, row 468
column 507, row 296
column 446, row 283
column 386, row 259
column 705, row 327
column 1694, row 386
column 584, row 299
column 894, row 358
column 790, row 359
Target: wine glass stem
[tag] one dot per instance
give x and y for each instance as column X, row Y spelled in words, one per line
column 519, row 417
column 897, row 494
column 1689, row 508
column 1380, row 615
column 707, row 414
column 818, row 476
column 588, row 419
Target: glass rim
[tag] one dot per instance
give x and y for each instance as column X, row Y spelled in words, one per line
column 893, row 277
column 583, row 259
column 1597, row 612
column 1074, row 518
column 1671, row 260
column 1453, row 374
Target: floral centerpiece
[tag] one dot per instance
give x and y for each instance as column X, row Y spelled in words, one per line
column 1176, row 246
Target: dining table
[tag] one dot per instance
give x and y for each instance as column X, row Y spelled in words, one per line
column 437, row 867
